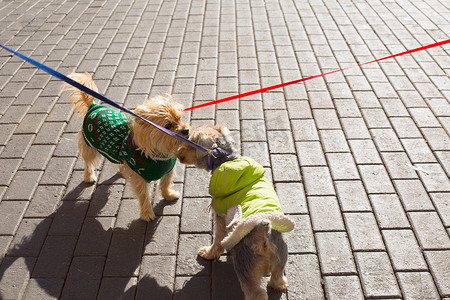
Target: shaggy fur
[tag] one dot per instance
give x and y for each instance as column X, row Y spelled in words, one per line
column 262, row 251
column 151, row 141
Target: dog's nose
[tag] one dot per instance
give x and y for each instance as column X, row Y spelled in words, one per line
column 185, row 132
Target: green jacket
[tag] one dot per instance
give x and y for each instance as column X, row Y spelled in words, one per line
column 107, row 131
column 245, row 198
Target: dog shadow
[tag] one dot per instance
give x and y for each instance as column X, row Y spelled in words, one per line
column 73, row 231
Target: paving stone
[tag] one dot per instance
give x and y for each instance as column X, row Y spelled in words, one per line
column 383, row 206
column 23, row 185
column 224, row 280
column 188, row 262
column 429, row 230
column 334, row 141
column 95, row 236
column 105, row 201
column 15, row 276
column 417, row 285
column 196, row 183
column 325, row 213
column 404, row 251
column 29, row 237
column 58, row 171
column 280, row 142
column 386, row 140
column 439, row 263
column 443, row 207
column 123, row 246
column 55, row 257
column 292, row 197
column 398, row 165
column 436, row 138
column 304, row 130
column 162, row 236
column 343, row 287
column 8, row 170
column 113, row 286
column 192, row 287
column 352, row 196
column 418, row 151
column 364, row 152
column 317, row 181
column 37, row 157
column 196, row 215
column 363, row 231
column 433, row 177
column 342, row 166
column 335, row 254
column 12, row 213
column 280, row 172
column 45, row 201
column 310, row 154
column 17, row 146
column 84, row 277
column 376, row 179
column 376, row 274
column 301, row 239
column 156, row 280
column 303, row 274
column 44, row 288
column 413, row 195
column 69, row 218
column 405, row 128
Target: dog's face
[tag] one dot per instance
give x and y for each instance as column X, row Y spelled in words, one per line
column 166, row 113
column 210, row 137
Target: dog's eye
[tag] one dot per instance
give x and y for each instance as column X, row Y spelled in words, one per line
column 168, row 126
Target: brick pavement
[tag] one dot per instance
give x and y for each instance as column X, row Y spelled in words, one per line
column 367, row 150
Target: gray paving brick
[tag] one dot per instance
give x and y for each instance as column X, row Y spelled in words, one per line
column 84, row 277
column 439, row 265
column 398, row 165
column 23, row 185
column 95, row 236
column 45, row 201
column 17, row 146
column 310, row 154
column 281, row 173
column 335, row 254
column 124, row 245
column 292, row 197
column 433, row 177
column 342, row 166
column 192, row 287
column 55, row 257
column 325, row 213
column 105, row 201
column 442, row 206
column 386, row 140
column 355, row 128
column 301, row 239
column 196, row 215
column 303, row 274
column 352, row 196
column 404, row 251
column 413, row 195
column 437, row 138
column 15, row 276
column 343, row 287
column 317, row 181
column 49, row 133
column 429, row 230
column 8, row 170
column 154, row 280
column 383, row 206
column 376, row 179
column 224, row 281
column 334, row 141
column 376, row 274
column 304, row 130
column 363, row 231
column 113, row 286
column 418, row 151
column 29, row 237
column 44, row 288
column 417, row 285
column 280, row 142
column 12, row 213
column 188, row 262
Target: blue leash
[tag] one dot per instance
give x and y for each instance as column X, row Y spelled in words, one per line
column 214, row 152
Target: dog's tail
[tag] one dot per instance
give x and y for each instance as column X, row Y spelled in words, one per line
column 80, row 100
column 263, row 244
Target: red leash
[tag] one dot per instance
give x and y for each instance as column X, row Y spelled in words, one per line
column 315, row 76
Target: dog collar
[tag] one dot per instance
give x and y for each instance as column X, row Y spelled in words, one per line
column 216, row 153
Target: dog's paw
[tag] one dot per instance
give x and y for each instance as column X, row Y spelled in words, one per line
column 171, row 195
column 148, row 216
column 90, row 178
column 280, row 284
column 207, row 254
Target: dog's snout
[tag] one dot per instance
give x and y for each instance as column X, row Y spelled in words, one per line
column 185, row 132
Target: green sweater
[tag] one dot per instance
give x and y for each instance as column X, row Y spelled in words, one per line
column 107, row 131
column 245, row 198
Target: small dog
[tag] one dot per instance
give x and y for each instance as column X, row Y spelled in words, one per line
column 247, row 214
column 145, row 153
